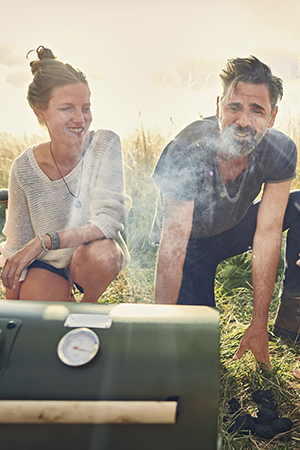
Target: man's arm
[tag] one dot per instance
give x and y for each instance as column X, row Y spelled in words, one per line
column 265, row 257
column 178, row 218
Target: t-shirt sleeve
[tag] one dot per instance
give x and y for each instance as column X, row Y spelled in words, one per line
column 284, row 163
column 175, row 172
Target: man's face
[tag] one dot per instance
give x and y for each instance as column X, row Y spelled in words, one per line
column 244, row 117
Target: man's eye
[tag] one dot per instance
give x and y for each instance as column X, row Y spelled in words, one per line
column 65, row 109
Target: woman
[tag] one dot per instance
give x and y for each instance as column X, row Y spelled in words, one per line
column 66, row 196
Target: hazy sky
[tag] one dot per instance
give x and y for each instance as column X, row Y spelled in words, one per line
column 160, row 57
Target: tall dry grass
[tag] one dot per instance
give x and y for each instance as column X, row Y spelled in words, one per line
column 11, row 145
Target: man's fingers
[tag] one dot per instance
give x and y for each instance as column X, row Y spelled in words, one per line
column 265, row 365
column 240, row 352
column 261, row 357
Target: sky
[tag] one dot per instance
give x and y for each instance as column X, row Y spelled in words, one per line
column 151, row 60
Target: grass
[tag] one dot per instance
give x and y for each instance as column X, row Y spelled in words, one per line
column 233, row 292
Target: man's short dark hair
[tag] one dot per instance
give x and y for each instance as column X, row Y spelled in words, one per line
column 251, row 70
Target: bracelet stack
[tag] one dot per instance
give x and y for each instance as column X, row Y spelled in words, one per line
column 55, row 241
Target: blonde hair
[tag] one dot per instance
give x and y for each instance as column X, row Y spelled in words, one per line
column 49, row 74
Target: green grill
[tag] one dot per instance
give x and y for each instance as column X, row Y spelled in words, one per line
column 108, row 377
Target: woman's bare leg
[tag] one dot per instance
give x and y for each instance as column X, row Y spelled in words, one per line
column 94, row 266
column 13, row 294
column 43, row 285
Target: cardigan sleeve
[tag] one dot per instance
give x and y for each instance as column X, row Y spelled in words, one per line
column 18, row 229
column 109, row 204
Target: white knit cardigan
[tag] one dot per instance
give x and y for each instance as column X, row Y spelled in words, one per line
column 38, row 205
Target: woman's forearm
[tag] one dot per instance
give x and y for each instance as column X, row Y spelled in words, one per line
column 75, row 236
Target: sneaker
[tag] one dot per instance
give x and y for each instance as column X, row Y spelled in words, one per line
column 287, row 320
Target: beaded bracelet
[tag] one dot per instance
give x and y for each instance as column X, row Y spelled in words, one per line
column 55, row 241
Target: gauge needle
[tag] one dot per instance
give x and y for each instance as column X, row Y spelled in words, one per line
column 81, row 349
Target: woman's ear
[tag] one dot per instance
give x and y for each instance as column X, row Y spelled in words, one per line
column 39, row 112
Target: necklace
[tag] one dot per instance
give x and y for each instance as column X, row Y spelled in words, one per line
column 78, row 203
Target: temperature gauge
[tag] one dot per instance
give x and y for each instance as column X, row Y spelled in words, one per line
column 78, row 347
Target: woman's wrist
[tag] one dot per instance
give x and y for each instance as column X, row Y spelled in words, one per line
column 47, row 241
column 42, row 243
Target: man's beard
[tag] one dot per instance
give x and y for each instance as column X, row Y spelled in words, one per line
column 233, row 147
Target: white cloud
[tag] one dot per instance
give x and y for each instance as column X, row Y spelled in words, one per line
column 197, row 74
column 191, row 73
column 284, row 63
column 18, row 79
column 95, row 75
column 7, row 58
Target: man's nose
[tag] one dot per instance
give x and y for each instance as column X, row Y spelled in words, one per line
column 243, row 119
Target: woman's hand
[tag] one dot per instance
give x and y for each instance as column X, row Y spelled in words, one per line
column 14, row 265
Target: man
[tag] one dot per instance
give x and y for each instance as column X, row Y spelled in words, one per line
column 209, row 177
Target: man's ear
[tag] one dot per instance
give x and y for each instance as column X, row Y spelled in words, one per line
column 273, row 116
column 218, row 108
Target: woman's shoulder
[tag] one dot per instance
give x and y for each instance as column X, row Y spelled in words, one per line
column 104, row 134
column 105, row 141
column 24, row 157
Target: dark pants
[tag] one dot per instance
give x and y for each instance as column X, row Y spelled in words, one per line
column 204, row 254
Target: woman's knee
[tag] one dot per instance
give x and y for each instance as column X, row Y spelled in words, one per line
column 104, row 255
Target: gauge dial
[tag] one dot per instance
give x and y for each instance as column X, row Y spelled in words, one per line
column 78, row 347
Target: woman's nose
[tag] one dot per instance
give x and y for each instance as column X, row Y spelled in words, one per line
column 78, row 116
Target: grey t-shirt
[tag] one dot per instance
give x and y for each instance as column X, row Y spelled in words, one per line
column 188, row 169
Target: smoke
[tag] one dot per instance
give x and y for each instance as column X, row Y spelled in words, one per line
column 238, row 141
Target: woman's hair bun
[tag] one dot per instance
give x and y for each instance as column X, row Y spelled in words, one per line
column 43, row 54
column 48, row 74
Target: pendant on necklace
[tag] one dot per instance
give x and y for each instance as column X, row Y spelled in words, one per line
column 78, row 204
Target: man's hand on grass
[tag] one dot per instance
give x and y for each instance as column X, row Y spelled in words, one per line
column 256, row 340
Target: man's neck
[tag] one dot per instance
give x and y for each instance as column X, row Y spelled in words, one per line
column 232, row 168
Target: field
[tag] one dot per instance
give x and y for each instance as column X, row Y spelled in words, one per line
column 233, row 291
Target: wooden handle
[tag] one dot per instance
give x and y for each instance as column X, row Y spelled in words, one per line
column 87, row 412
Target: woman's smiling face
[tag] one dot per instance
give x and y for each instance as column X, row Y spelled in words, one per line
column 68, row 115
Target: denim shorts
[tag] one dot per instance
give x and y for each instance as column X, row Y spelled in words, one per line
column 37, row 264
